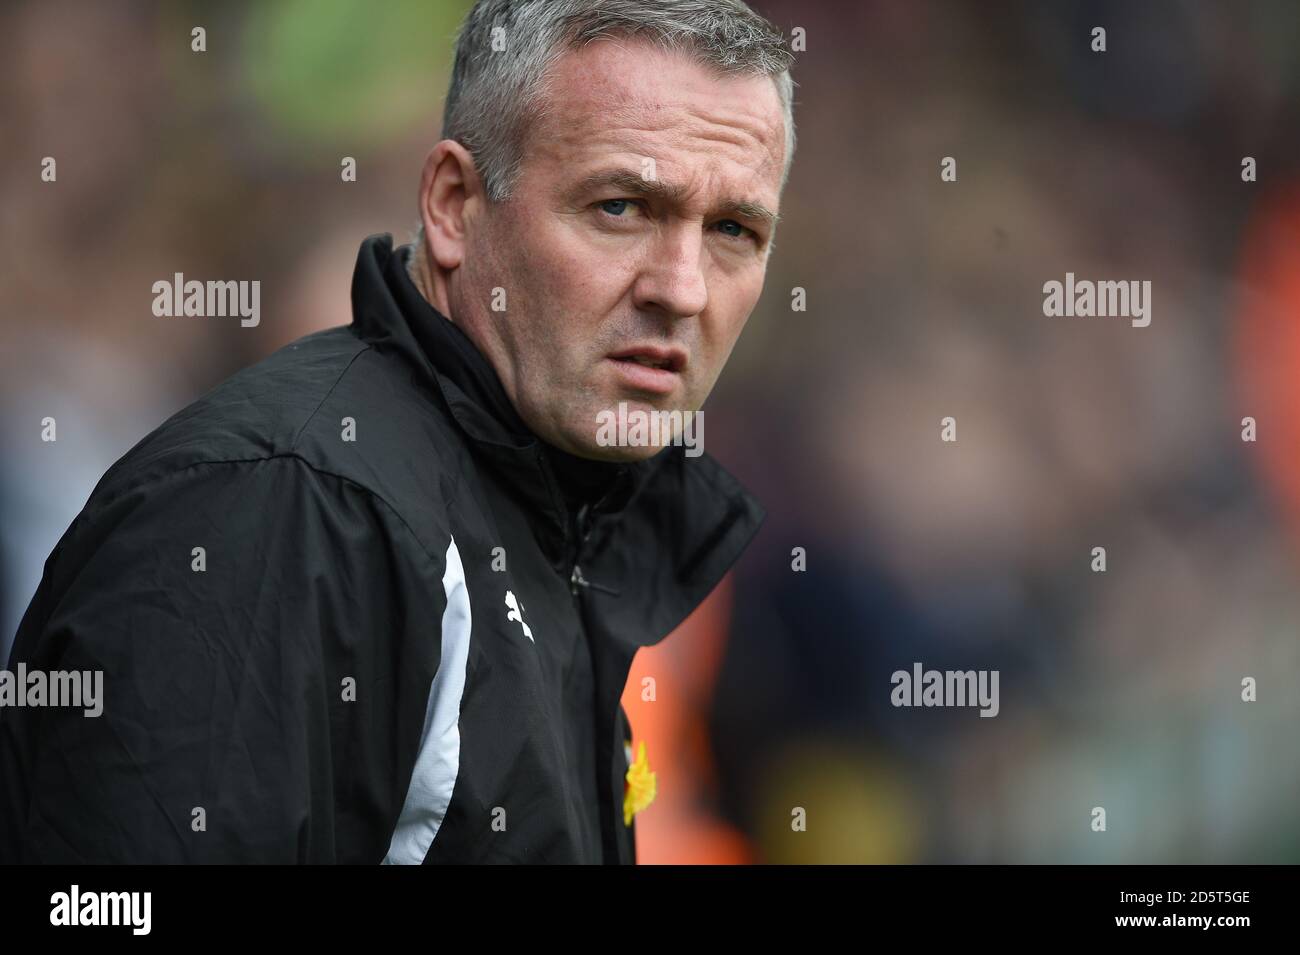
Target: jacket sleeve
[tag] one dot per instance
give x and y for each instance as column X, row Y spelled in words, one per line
column 250, row 621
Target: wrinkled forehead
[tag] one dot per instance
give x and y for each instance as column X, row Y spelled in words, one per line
column 631, row 99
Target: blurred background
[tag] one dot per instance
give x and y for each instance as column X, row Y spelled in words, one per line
column 1119, row 689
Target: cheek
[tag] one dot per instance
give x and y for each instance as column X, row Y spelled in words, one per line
column 553, row 263
column 588, row 274
column 731, row 303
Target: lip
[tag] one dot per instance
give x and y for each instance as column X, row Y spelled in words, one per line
column 644, row 378
column 673, row 359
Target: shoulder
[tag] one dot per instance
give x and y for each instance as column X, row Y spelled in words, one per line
column 327, row 414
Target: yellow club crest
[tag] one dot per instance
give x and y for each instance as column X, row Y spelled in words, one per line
column 638, row 787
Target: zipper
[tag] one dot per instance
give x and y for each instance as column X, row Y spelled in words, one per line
column 576, row 580
column 582, row 526
column 583, row 522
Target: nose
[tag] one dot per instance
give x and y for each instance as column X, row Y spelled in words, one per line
column 671, row 281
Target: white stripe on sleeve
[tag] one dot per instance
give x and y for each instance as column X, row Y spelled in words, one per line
column 438, row 761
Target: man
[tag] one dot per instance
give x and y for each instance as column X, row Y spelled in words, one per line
column 376, row 597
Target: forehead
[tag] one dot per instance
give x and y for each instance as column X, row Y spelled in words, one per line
column 634, row 99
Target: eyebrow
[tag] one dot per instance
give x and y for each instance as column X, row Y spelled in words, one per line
column 627, row 181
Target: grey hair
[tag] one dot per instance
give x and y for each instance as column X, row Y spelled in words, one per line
column 506, row 47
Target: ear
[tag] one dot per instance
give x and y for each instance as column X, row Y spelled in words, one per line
column 450, row 191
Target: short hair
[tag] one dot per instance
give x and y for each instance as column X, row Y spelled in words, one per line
column 505, row 49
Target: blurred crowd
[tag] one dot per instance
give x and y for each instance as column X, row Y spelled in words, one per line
column 1120, row 689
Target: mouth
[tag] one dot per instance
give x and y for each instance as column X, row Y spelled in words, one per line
column 650, row 368
column 650, row 356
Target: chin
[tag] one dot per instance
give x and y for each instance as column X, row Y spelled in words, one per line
column 613, row 453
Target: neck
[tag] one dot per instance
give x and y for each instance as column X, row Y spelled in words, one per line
column 429, row 284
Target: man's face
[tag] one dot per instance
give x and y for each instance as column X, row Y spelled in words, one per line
column 634, row 245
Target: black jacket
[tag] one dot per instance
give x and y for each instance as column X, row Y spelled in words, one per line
column 409, row 646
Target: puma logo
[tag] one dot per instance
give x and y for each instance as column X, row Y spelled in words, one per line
column 515, row 613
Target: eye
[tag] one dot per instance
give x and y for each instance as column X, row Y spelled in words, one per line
column 734, row 230
column 615, row 207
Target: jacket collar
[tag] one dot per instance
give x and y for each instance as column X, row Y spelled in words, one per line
column 712, row 528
